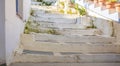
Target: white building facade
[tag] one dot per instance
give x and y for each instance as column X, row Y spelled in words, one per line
column 11, row 26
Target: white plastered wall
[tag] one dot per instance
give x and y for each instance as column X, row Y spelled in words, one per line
column 14, row 28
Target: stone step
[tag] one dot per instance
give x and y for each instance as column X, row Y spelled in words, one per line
column 60, row 43
column 83, row 48
column 73, row 38
column 73, row 31
column 80, row 32
column 53, row 57
column 54, row 15
column 65, row 64
column 67, row 38
column 61, row 25
column 55, row 20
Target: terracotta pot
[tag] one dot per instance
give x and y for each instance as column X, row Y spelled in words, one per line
column 117, row 7
column 110, row 5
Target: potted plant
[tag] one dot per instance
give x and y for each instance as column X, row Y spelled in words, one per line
column 110, row 4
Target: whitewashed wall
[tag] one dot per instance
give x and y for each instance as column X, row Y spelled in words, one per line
column 2, row 31
column 26, row 9
column 14, row 27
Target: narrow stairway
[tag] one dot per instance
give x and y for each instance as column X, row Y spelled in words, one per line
column 58, row 38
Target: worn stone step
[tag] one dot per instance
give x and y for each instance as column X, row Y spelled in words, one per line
column 66, row 38
column 74, row 38
column 61, row 28
column 53, row 57
column 65, row 64
column 53, row 15
column 84, row 48
column 80, row 32
column 43, row 58
column 61, row 25
column 87, row 44
column 72, row 31
column 55, row 20
column 44, row 9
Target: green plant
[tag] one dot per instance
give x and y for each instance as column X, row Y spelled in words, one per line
column 82, row 11
column 29, row 27
column 46, row 3
column 52, row 31
column 32, row 12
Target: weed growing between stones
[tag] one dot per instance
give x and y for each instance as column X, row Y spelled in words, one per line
column 32, row 26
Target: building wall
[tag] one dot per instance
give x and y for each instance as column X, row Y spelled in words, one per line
column 14, row 27
column 2, row 31
column 26, row 9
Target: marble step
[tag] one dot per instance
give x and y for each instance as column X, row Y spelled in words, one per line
column 66, row 57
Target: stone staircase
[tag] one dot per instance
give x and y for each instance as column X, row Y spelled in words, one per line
column 75, row 43
column 47, row 48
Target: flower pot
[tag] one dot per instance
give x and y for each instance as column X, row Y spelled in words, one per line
column 110, row 5
column 117, row 7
